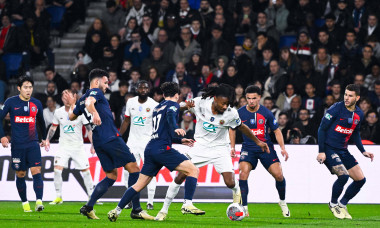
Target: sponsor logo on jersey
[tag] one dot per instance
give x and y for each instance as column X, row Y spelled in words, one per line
column 343, row 130
column 257, row 132
column 209, row 127
column 25, row 108
column 328, row 116
column 68, row 129
column 139, row 121
column 24, row 119
column 221, row 122
column 212, row 119
column 173, row 108
column 147, row 109
column 93, row 93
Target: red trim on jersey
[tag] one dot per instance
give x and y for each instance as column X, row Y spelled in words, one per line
column 126, row 116
column 355, row 122
column 55, row 125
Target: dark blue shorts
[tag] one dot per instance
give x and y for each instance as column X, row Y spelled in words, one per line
column 114, row 154
column 24, row 158
column 253, row 157
column 157, row 156
column 336, row 157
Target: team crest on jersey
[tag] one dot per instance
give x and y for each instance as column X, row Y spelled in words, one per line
column 33, row 109
column 252, row 121
column 147, row 109
column 221, row 122
column 212, row 119
column 25, row 108
column 328, row 116
column 261, row 121
column 17, row 166
column 209, row 127
column 356, row 122
column 139, row 121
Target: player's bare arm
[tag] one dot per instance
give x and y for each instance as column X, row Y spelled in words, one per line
column 280, row 141
column 232, row 134
column 187, row 142
column 89, row 133
column 90, row 106
column 186, row 105
column 369, row 155
column 125, row 124
column 180, row 132
column 50, row 135
column 245, row 130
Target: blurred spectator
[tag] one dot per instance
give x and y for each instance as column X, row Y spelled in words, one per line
column 264, row 42
column 125, row 72
column 148, row 30
column 276, row 81
column 50, row 90
column 117, row 100
column 370, row 130
column 242, row 102
column 294, row 136
column 282, row 125
column 186, row 93
column 156, row 60
column 154, row 78
column 113, row 17
column 310, row 101
column 94, row 47
column 52, row 75
column 231, row 77
column 185, row 13
column 374, row 43
column 243, row 64
column 161, row 12
column 194, row 70
column 216, row 45
column 359, row 80
column 75, row 13
column 239, row 92
column 301, row 48
column 288, row 61
column 117, row 49
column 100, row 28
column 278, row 15
column 137, row 11
column 359, row 14
column 207, row 74
column 157, row 95
column 172, row 28
column 306, row 126
column 374, row 95
column 335, row 32
column 343, row 15
column 331, row 73
column 75, row 86
column 126, row 32
column 81, row 58
column 107, row 61
column 263, row 25
column 187, row 124
column 321, row 59
column 249, row 49
column 321, row 111
column 138, row 50
column 370, row 29
column 185, row 47
column 220, row 67
column 336, row 91
column 370, row 79
column 365, row 105
column 166, row 46
column 227, row 25
column 113, row 81
column 246, row 19
column 323, row 40
column 297, row 15
column 269, row 104
column 43, row 18
column 206, row 13
column 48, row 112
column 293, row 112
column 82, row 77
column 307, row 75
column 198, row 33
column 134, row 81
column 350, row 49
column 179, row 75
column 10, row 37
column 364, row 63
column 284, row 99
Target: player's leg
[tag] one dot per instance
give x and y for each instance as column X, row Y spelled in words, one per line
column 134, row 172
column 57, row 184
column 151, row 187
column 244, row 168
column 33, row 161
column 172, row 191
column 81, row 163
column 88, row 183
column 275, row 170
column 19, row 165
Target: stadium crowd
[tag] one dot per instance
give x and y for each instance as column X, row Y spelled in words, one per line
column 302, row 53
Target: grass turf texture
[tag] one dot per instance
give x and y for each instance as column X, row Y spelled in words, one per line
column 262, row 215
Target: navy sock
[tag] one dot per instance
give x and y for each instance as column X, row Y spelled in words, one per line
column 133, row 177
column 338, row 188
column 21, row 188
column 281, row 187
column 127, row 197
column 100, row 189
column 190, row 185
column 38, row 185
column 352, row 190
column 244, row 191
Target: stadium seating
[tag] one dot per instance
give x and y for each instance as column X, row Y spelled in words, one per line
column 56, row 13
column 13, row 63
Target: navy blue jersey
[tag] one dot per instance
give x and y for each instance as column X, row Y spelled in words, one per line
column 340, row 124
column 107, row 130
column 165, row 118
column 259, row 122
column 24, row 115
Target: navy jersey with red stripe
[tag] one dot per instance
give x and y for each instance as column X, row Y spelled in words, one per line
column 340, row 124
column 24, row 116
column 107, row 129
column 259, row 122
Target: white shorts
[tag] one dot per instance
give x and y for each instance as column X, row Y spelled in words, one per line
column 219, row 156
column 78, row 155
column 138, row 152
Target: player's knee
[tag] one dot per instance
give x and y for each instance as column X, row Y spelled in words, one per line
column 21, row 174
column 35, row 170
column 194, row 172
column 361, row 182
column 279, row 177
column 230, row 183
column 243, row 175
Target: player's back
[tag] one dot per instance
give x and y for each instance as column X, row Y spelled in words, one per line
column 23, row 115
column 107, row 130
column 162, row 131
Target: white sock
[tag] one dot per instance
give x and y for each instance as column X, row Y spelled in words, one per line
column 170, row 194
column 236, row 188
column 246, row 209
column 23, row 203
column 187, row 202
column 151, row 190
column 126, row 177
column 87, row 179
column 118, row 210
column 58, row 182
column 333, row 204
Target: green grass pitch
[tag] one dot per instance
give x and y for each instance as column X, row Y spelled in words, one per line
column 262, row 215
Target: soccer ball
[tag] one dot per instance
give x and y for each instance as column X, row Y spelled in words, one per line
column 235, row 212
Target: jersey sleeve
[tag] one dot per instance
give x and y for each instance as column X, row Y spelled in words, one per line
column 171, row 115
column 271, row 120
column 235, row 120
column 127, row 107
column 84, row 120
column 55, row 121
column 326, row 122
column 3, row 112
column 77, row 111
column 41, row 121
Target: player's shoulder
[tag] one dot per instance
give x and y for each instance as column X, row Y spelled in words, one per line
column 151, row 101
column 359, row 112
column 231, row 113
column 336, row 106
column 94, row 92
column 242, row 109
column 264, row 111
column 11, row 100
column 132, row 100
column 35, row 101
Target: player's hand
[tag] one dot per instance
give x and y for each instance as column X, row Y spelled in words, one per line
column 233, row 153
column 285, row 154
column 69, row 97
column 96, row 120
column 4, row 142
column 187, row 142
column 264, row 147
column 47, row 145
column 369, row 155
column 190, row 104
column 180, row 131
column 92, row 150
column 43, row 143
column 321, row 157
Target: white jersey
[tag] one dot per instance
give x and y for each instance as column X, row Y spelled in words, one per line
column 212, row 129
column 141, row 121
column 70, row 131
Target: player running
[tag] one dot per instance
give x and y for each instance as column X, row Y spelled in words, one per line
column 70, row 146
column 214, row 117
column 259, row 119
column 25, row 111
column 138, row 112
column 342, row 121
column 159, row 151
column 109, row 146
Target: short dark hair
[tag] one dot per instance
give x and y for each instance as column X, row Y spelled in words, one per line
column 97, row 73
column 49, row 68
column 372, row 111
column 268, row 99
column 170, row 89
column 284, row 113
column 142, row 82
column 23, row 79
column 123, row 83
column 355, row 88
column 377, row 82
column 253, row 89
